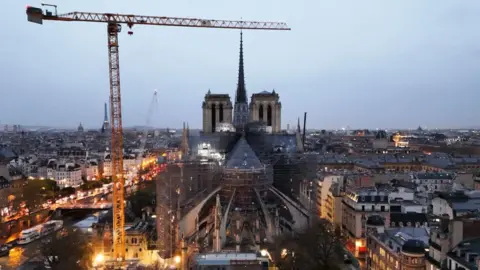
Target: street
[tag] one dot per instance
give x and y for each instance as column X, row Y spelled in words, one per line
column 20, row 255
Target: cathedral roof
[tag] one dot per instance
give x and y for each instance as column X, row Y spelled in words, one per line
column 243, row 157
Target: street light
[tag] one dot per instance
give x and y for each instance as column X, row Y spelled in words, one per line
column 98, row 260
column 177, row 259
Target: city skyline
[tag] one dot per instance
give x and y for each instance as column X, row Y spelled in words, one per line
column 330, row 66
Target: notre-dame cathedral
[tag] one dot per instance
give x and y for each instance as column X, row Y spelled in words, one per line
column 265, row 107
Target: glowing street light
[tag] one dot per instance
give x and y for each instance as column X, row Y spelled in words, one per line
column 177, row 259
column 98, row 259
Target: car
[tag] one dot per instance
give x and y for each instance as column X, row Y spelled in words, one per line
column 4, row 250
column 347, row 259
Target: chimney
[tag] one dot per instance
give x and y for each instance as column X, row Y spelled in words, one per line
column 304, row 127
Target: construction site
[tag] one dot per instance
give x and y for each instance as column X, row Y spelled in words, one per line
column 182, row 186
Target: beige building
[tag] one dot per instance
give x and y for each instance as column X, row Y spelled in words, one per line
column 136, row 242
column 323, row 192
column 448, row 235
column 217, row 108
column 333, row 205
column 400, row 248
column 358, row 205
column 266, row 107
column 129, row 163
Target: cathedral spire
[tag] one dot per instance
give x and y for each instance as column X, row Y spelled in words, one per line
column 240, row 111
column 241, row 95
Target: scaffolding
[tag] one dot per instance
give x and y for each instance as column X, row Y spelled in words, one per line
column 178, row 188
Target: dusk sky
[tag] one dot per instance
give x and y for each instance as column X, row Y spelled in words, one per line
column 368, row 64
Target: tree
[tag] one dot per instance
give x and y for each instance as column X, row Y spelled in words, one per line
column 90, row 185
column 319, row 246
column 36, row 191
column 323, row 131
column 142, row 198
column 67, row 191
column 67, row 249
column 106, row 180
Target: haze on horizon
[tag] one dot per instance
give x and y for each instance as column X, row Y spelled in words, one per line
column 371, row 63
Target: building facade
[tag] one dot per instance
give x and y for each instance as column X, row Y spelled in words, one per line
column 217, row 108
column 397, row 248
column 358, row 205
column 266, row 107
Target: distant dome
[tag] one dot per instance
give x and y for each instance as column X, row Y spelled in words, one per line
column 381, row 134
column 375, row 220
column 414, row 246
column 224, row 127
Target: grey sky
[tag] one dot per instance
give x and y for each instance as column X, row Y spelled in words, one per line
column 398, row 63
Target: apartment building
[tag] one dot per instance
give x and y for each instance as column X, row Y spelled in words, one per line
column 357, row 205
column 129, row 163
column 90, row 170
column 455, row 204
column 68, row 175
column 449, row 234
column 333, row 204
column 429, row 182
column 465, row 256
column 323, row 191
column 395, row 248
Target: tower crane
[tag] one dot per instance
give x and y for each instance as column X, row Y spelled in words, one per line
column 114, row 24
column 151, row 108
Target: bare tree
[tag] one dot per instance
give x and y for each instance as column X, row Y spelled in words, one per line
column 319, row 246
column 67, row 249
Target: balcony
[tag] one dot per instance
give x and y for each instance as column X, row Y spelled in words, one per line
column 434, row 245
column 431, row 260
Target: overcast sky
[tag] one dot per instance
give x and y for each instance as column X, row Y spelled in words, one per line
column 373, row 64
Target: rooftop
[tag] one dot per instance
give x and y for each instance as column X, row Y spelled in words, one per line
column 466, row 252
column 222, row 258
column 243, row 157
column 405, row 238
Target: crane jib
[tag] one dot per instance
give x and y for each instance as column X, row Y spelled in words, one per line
column 37, row 15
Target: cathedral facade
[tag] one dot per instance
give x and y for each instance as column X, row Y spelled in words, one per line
column 264, row 107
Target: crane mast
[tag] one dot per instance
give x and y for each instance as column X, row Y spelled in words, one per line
column 117, row 143
column 114, row 23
